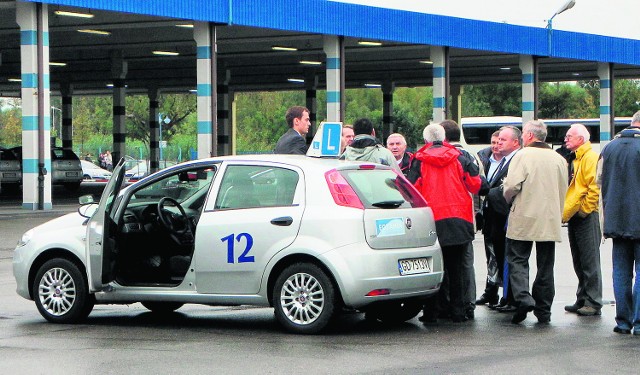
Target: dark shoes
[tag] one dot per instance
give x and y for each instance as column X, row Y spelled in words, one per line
column 521, row 314
column 572, row 308
column 623, row 331
column 484, row 299
column 506, row 309
column 588, row 311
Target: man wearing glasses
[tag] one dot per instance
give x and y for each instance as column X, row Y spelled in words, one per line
column 581, row 214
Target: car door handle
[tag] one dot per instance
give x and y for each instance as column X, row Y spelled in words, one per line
column 282, row 221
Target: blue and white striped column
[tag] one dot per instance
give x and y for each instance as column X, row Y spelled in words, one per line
column 439, row 56
column 154, row 130
column 334, row 50
column 205, row 37
column 388, row 88
column 119, row 72
column 36, row 118
column 224, row 110
column 67, row 116
column 529, row 87
column 605, row 74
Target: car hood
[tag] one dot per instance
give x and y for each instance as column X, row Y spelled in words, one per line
column 62, row 230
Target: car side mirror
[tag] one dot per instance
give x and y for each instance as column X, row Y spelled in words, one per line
column 88, row 210
column 86, row 199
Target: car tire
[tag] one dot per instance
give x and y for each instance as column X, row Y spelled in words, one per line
column 162, row 307
column 304, row 298
column 394, row 312
column 61, row 293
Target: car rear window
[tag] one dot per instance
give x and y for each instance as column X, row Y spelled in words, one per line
column 6, row 154
column 383, row 188
column 63, row 154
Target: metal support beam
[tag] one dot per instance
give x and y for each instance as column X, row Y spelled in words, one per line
column 607, row 115
column 36, row 106
column 119, row 73
column 311, row 85
column 154, row 129
column 440, row 58
column 334, row 49
column 205, row 36
column 388, row 87
column 224, row 110
column 529, row 68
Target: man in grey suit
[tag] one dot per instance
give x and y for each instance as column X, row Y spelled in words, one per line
column 293, row 141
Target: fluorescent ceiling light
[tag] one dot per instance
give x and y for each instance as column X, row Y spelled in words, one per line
column 575, row 74
column 307, row 62
column 110, row 85
column 185, row 25
column 193, row 91
column 505, row 68
column 73, row 14
column 372, row 85
column 426, row 62
column 282, row 48
column 97, row 32
column 369, row 43
column 166, row 53
column 295, row 80
column 14, row 80
column 57, row 63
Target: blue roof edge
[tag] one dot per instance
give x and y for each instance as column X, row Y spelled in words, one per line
column 359, row 21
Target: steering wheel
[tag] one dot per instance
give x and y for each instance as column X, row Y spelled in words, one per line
column 169, row 221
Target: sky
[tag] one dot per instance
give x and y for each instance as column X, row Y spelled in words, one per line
column 617, row 18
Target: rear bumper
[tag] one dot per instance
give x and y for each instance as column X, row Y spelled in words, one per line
column 359, row 270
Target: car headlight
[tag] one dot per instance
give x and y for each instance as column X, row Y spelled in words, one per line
column 25, row 238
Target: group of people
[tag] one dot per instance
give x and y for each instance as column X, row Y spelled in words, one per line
column 106, row 160
column 518, row 191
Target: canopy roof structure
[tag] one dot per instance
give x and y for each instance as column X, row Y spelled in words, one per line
column 248, row 31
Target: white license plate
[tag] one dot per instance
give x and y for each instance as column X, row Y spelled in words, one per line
column 414, row 266
column 72, row 174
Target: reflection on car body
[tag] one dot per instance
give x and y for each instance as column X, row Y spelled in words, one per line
column 308, row 236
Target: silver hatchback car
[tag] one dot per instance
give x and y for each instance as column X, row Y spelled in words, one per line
column 310, row 237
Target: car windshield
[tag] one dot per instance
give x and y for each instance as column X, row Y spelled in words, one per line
column 383, row 188
column 179, row 186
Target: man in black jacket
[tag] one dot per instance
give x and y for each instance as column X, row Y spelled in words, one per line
column 495, row 213
column 293, row 141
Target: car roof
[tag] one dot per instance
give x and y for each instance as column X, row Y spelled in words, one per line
column 302, row 161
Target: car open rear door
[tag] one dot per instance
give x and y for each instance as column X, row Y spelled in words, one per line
column 100, row 244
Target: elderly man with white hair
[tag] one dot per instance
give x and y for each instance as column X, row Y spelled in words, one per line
column 446, row 177
column 581, row 214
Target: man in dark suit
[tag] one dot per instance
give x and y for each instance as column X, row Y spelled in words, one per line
column 293, row 141
column 496, row 209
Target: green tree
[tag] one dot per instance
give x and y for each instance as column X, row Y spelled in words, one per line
column 504, row 99
column 562, row 100
column 10, row 123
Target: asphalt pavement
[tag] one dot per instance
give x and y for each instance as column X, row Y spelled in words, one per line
column 245, row 340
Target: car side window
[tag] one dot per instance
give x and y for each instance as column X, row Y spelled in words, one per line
column 245, row 186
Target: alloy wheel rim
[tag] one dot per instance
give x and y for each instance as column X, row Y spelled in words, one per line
column 57, row 291
column 302, row 298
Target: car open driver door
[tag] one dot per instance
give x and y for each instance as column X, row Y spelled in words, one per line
column 100, row 247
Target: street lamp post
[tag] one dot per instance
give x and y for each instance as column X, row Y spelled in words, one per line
column 568, row 5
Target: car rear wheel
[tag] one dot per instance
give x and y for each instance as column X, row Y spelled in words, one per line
column 162, row 307
column 304, row 298
column 61, row 293
column 394, row 312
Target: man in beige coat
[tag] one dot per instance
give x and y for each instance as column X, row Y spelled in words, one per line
column 535, row 186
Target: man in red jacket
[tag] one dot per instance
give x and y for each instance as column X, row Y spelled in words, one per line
column 446, row 178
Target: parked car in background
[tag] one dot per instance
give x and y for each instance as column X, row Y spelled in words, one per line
column 310, row 237
column 65, row 167
column 92, row 172
column 10, row 169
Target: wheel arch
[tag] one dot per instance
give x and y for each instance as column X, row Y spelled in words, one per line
column 299, row 258
column 55, row 253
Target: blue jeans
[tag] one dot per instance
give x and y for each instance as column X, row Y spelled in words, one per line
column 626, row 257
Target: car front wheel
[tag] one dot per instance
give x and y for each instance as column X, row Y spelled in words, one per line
column 61, row 293
column 304, row 298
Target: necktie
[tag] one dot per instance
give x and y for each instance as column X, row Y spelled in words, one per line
column 497, row 170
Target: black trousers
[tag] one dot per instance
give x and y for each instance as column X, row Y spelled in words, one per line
column 453, row 267
column 543, row 290
column 584, row 239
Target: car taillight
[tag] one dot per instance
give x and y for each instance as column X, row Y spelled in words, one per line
column 341, row 191
column 378, row 292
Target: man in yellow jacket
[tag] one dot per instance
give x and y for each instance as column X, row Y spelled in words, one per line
column 581, row 214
